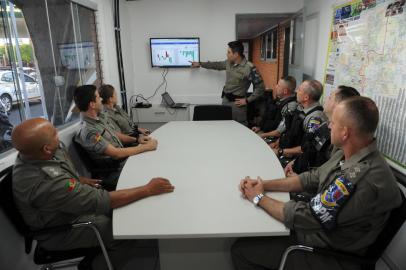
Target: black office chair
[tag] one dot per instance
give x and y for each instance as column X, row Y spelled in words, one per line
column 374, row 252
column 212, row 112
column 98, row 169
column 42, row 256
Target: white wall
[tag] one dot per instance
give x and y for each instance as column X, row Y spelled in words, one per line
column 323, row 11
column 311, row 43
column 211, row 20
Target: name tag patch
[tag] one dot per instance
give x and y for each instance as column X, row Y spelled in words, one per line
column 326, row 205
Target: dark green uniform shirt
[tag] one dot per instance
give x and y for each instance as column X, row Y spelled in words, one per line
column 121, row 120
column 96, row 134
column 360, row 216
column 239, row 78
column 48, row 192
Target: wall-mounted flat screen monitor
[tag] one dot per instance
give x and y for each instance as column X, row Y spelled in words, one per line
column 174, row 52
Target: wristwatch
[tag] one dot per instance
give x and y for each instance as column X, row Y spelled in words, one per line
column 280, row 152
column 257, row 199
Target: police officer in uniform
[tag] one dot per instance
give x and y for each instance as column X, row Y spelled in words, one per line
column 320, row 147
column 305, row 122
column 287, row 104
column 352, row 196
column 264, row 113
column 122, row 121
column 98, row 137
column 240, row 73
column 49, row 192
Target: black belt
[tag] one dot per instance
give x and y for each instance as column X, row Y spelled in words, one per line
column 231, row 97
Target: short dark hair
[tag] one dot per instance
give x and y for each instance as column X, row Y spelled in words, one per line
column 290, row 83
column 83, row 95
column 345, row 92
column 106, row 91
column 237, row 47
column 314, row 89
column 363, row 112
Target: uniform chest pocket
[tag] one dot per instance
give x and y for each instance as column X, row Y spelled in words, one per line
column 237, row 77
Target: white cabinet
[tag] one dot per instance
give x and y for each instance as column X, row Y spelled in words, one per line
column 157, row 115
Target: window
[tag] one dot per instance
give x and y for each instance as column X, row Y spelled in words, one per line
column 28, row 79
column 272, row 44
column 263, row 47
column 269, row 45
column 296, row 41
column 47, row 48
column 7, row 77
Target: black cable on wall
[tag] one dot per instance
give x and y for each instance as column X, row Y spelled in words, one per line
column 117, row 32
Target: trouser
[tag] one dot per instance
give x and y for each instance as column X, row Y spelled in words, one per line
column 120, row 251
column 109, row 180
column 239, row 113
column 110, row 176
column 265, row 253
column 259, row 253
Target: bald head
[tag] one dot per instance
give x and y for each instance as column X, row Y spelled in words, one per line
column 34, row 138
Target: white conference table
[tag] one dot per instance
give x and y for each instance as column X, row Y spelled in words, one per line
column 197, row 223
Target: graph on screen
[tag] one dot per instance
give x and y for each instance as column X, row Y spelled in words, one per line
column 174, row 52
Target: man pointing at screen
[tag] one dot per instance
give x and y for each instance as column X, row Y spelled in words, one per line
column 240, row 73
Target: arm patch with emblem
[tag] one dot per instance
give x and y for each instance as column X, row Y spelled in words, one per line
column 254, row 76
column 313, row 125
column 71, row 185
column 95, row 142
column 326, row 205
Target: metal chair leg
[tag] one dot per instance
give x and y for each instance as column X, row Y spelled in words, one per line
column 289, row 250
column 102, row 246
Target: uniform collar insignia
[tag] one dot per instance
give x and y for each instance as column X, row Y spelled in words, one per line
column 359, row 156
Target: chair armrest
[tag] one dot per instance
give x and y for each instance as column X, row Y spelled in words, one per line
column 49, row 230
column 60, row 228
column 325, row 252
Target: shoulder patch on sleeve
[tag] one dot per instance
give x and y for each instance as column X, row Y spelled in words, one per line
column 71, row 185
column 93, row 137
column 326, row 205
column 314, row 124
column 97, row 138
column 254, row 76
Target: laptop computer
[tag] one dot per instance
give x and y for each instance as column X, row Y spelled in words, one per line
column 169, row 101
